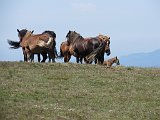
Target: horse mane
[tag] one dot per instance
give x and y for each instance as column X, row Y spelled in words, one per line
column 77, row 36
column 80, row 36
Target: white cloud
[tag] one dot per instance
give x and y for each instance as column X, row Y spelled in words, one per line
column 83, row 7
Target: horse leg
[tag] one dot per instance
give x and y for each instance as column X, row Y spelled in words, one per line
column 28, row 57
column 65, row 58
column 25, row 57
column 81, row 58
column 95, row 60
column 69, row 57
column 39, row 57
column 51, row 55
column 77, row 59
column 44, row 55
column 32, row 57
column 24, row 54
column 55, row 52
column 100, row 59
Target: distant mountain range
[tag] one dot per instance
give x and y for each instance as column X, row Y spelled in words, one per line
column 151, row 59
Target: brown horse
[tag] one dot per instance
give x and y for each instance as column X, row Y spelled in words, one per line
column 111, row 61
column 84, row 46
column 36, row 44
column 21, row 34
column 66, row 51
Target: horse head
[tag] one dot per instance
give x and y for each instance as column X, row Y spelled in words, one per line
column 107, row 50
column 23, row 33
column 106, row 40
column 72, row 36
column 115, row 60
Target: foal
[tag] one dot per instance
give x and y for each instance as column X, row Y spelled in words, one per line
column 111, row 61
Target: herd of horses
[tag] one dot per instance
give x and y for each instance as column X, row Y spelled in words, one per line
column 84, row 49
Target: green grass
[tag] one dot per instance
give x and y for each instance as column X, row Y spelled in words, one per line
column 59, row 91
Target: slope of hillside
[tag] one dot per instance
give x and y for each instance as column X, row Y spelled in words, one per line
column 60, row 91
column 151, row 59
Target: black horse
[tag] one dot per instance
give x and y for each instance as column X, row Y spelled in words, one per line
column 84, row 46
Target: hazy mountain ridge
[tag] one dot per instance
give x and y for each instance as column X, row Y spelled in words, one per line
column 151, row 59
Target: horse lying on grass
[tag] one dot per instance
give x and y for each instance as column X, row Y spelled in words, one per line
column 111, row 61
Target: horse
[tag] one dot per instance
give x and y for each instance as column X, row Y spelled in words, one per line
column 111, row 61
column 84, row 46
column 66, row 51
column 39, row 43
column 98, row 54
column 21, row 34
column 53, row 35
column 16, row 45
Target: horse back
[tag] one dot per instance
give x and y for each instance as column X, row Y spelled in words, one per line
column 92, row 43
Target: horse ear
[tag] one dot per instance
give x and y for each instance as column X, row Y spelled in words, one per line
column 18, row 31
column 32, row 31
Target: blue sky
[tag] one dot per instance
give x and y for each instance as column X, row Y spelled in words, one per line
column 133, row 25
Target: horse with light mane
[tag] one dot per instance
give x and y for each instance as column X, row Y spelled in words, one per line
column 111, row 61
column 84, row 46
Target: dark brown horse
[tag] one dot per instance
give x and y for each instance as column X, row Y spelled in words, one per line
column 83, row 47
column 66, row 50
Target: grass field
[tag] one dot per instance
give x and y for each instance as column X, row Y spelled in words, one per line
column 59, row 91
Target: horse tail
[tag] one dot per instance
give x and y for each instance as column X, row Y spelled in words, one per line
column 61, row 53
column 55, row 52
column 14, row 44
column 94, row 54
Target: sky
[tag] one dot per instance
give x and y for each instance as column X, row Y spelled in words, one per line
column 133, row 25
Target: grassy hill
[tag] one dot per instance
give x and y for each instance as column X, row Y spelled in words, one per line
column 59, row 91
